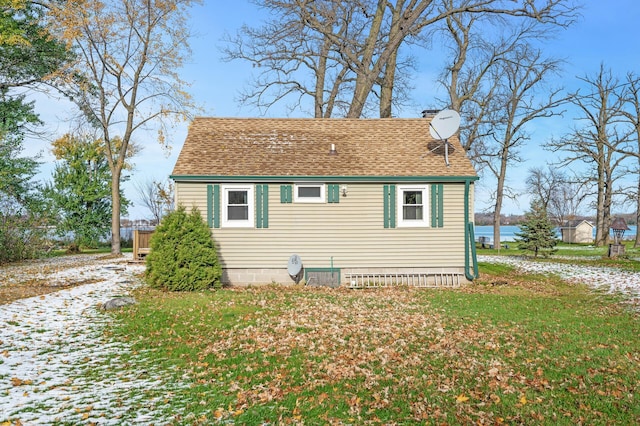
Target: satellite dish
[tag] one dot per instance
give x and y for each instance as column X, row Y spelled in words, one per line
column 444, row 125
column 294, row 267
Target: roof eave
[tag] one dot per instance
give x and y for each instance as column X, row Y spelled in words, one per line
column 328, row 179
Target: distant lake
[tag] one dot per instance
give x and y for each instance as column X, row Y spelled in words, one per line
column 507, row 232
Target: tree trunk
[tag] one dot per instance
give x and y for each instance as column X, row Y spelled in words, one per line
column 499, row 196
column 115, row 212
column 386, row 89
column 372, row 63
column 388, row 80
column 637, row 242
column 321, row 73
column 366, row 77
column 496, row 224
column 606, row 216
column 600, row 208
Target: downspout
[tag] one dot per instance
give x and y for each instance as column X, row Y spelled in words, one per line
column 469, row 239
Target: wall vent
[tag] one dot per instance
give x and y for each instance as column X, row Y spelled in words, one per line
column 326, row 277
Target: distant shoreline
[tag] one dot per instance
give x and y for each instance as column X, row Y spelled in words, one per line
column 507, row 232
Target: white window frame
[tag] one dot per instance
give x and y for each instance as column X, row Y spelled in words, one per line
column 415, row 223
column 321, row 199
column 233, row 223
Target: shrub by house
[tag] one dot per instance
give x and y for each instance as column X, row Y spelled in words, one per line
column 183, row 256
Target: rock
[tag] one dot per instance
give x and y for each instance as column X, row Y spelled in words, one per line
column 118, row 302
column 114, row 267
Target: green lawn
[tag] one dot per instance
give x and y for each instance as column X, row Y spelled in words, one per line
column 528, row 350
column 584, row 254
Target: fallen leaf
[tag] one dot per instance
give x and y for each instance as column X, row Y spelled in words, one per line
column 462, row 398
column 19, row 382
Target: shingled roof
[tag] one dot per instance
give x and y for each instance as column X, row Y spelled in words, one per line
column 284, row 147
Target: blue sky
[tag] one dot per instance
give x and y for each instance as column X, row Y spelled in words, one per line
column 608, row 32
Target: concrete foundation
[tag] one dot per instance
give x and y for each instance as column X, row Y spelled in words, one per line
column 265, row 276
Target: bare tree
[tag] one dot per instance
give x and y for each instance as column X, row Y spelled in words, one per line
column 156, row 196
column 465, row 78
column 476, row 44
column 560, row 195
column 129, row 54
column 631, row 96
column 361, row 41
column 542, row 184
column 597, row 143
column 297, row 62
column 521, row 100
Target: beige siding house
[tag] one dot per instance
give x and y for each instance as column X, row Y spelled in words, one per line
column 361, row 202
column 577, row 231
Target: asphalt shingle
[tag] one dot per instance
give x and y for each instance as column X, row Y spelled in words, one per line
column 300, row 147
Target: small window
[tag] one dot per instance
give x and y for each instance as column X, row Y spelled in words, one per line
column 413, row 208
column 237, row 206
column 311, row 193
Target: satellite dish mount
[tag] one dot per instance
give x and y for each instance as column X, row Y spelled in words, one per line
column 442, row 126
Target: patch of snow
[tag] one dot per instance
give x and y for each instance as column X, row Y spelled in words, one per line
column 610, row 280
column 57, row 366
column 55, row 363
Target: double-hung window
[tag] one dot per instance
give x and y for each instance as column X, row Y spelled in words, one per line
column 412, row 201
column 237, row 206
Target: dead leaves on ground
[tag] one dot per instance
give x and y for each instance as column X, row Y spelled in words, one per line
column 19, row 382
column 40, row 277
column 366, row 353
column 31, row 288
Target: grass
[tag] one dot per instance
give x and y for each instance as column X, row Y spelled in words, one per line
column 582, row 254
column 98, row 250
column 513, row 349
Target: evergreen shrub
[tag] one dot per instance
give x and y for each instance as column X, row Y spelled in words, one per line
column 537, row 233
column 183, row 256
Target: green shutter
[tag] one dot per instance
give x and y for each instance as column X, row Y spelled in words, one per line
column 286, row 194
column 333, row 193
column 262, row 206
column 258, row 206
column 213, row 206
column 210, row 206
column 389, row 206
column 437, row 205
column 265, row 206
column 440, row 205
column 216, row 206
column 392, row 197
